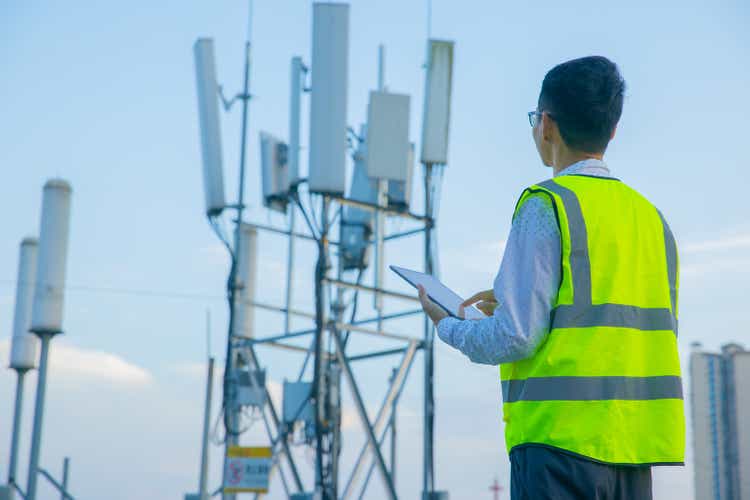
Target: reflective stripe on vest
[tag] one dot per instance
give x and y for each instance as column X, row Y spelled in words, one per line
column 591, row 388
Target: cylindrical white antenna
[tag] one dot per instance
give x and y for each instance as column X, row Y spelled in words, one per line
column 23, row 349
column 437, row 102
column 49, row 294
column 24, row 344
column 247, row 266
column 49, row 290
column 210, row 128
column 328, row 102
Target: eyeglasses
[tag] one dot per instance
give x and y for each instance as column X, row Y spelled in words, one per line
column 534, row 117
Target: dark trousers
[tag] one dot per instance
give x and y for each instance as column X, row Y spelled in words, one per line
column 540, row 473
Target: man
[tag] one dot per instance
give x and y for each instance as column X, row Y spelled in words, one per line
column 583, row 311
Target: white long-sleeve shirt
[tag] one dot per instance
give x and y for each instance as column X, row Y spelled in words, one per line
column 525, row 286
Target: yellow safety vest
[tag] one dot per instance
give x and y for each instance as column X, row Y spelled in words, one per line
column 605, row 383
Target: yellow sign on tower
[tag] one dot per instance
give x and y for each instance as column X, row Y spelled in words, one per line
column 247, row 469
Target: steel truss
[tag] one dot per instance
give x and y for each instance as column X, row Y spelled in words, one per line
column 329, row 364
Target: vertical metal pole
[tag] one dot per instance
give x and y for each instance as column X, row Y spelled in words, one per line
column 203, row 483
column 18, row 409
column 66, row 467
column 393, row 433
column 230, row 380
column 429, row 19
column 379, row 215
column 335, row 400
column 290, row 269
column 381, row 67
column 36, row 436
column 429, row 403
column 380, row 248
column 319, row 389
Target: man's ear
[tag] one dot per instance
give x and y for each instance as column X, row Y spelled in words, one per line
column 613, row 132
column 549, row 128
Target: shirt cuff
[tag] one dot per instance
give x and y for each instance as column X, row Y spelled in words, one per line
column 445, row 329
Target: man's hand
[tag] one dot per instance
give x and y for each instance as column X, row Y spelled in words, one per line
column 485, row 302
column 431, row 309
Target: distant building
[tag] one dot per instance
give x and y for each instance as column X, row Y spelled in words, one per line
column 720, row 401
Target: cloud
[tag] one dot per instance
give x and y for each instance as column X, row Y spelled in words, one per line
column 730, row 242
column 99, row 364
column 70, row 362
column 726, row 254
column 714, row 267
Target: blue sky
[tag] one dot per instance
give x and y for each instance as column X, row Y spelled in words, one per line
column 103, row 94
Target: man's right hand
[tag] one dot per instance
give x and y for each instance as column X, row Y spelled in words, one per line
column 484, row 301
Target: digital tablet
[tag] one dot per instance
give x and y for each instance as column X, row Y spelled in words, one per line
column 439, row 293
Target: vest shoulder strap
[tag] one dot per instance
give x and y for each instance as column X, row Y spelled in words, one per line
column 536, row 190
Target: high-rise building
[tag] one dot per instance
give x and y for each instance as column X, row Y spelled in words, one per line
column 720, row 401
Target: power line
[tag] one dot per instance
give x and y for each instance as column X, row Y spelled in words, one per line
column 134, row 292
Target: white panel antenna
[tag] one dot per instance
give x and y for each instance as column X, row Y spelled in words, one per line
column 437, row 102
column 210, row 128
column 328, row 102
column 247, row 269
column 23, row 351
column 49, row 289
column 387, row 136
column 274, row 162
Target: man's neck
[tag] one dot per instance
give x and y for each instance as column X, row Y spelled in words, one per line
column 564, row 159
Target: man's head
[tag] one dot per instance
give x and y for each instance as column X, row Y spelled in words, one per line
column 579, row 106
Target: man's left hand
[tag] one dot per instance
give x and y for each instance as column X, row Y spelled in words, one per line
column 431, row 309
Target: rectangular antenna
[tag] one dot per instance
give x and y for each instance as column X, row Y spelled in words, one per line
column 388, row 136
column 437, row 102
column 210, row 129
column 330, row 54
column 247, row 268
column 274, row 164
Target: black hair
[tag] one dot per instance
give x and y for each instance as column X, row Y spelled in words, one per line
column 584, row 97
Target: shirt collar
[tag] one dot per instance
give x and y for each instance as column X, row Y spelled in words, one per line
column 589, row 166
